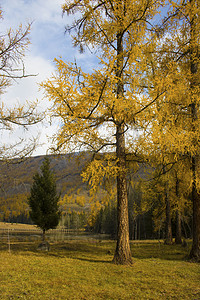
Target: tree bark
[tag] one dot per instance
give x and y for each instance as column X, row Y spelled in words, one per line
column 168, row 223
column 43, row 235
column 194, row 66
column 195, row 251
column 178, row 238
column 135, row 228
column 122, row 252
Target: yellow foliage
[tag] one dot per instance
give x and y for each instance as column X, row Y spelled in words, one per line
column 98, row 111
column 95, row 208
column 80, row 200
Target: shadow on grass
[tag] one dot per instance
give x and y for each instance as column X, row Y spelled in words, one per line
column 69, row 249
column 96, row 252
column 92, row 260
column 144, row 250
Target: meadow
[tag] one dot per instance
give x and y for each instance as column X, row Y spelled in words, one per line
column 83, row 269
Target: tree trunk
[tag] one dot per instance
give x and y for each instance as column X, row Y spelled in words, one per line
column 139, row 228
column 144, row 227
column 168, row 223
column 135, row 229
column 194, row 66
column 195, row 251
column 178, row 238
column 43, row 235
column 122, row 252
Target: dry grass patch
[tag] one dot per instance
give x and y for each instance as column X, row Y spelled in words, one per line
column 83, row 270
column 17, row 226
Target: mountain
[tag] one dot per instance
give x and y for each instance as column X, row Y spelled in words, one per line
column 16, row 178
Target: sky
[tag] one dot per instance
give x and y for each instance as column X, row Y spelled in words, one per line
column 48, row 41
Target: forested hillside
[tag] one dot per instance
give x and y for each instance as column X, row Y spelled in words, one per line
column 80, row 207
column 16, row 180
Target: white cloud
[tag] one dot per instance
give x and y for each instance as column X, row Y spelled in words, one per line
column 48, row 40
column 27, row 89
column 30, row 10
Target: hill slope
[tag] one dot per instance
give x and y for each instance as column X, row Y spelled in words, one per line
column 17, row 178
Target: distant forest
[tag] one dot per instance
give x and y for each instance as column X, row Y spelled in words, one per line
column 82, row 210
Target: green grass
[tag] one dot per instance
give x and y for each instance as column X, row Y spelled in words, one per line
column 83, row 270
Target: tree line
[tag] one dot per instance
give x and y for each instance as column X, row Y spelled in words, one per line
column 145, row 222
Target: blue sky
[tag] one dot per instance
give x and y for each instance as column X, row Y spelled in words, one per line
column 48, row 40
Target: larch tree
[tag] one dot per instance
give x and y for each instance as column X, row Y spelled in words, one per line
column 185, row 19
column 13, row 44
column 194, row 30
column 99, row 109
column 175, row 127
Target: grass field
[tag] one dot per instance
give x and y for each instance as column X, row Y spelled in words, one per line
column 16, row 226
column 83, row 270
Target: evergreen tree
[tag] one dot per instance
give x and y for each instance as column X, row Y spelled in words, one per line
column 43, row 199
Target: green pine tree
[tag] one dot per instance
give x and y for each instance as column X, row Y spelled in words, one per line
column 43, row 199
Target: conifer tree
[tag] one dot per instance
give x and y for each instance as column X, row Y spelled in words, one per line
column 176, row 127
column 43, row 199
column 109, row 98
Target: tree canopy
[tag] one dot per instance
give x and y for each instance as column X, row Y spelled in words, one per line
column 173, row 133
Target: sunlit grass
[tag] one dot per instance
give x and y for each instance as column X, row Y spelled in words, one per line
column 17, row 226
column 83, row 270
